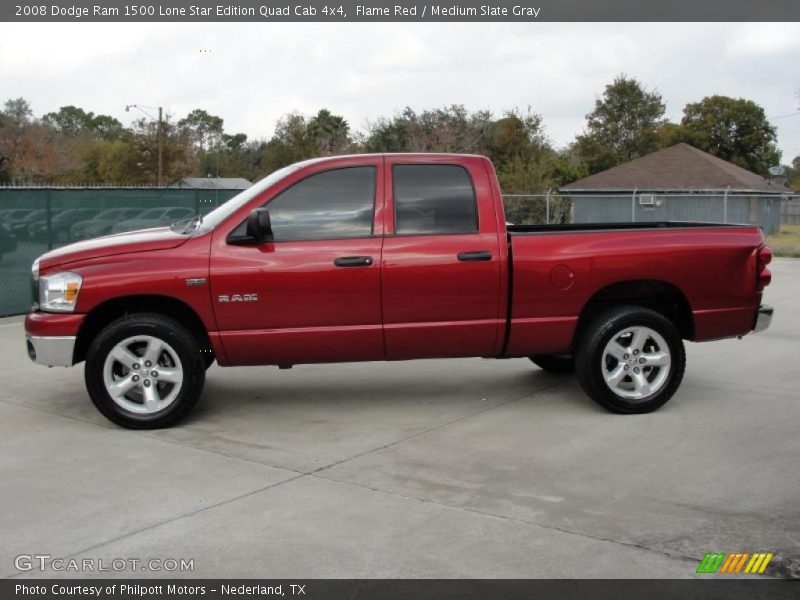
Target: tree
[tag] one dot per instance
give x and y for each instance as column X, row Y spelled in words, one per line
column 389, row 135
column 668, row 134
column 520, row 151
column 203, row 129
column 448, row 129
column 175, row 149
column 73, row 121
column 15, row 119
column 28, row 149
column 298, row 138
column 734, row 129
column 622, row 126
column 289, row 144
column 568, row 166
column 18, row 111
column 112, row 161
column 330, row 133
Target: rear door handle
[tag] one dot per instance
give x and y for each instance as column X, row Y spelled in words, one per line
column 353, row 261
column 475, row 255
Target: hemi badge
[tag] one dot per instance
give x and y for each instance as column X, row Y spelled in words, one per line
column 196, row 281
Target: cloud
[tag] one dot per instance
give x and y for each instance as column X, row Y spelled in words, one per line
column 252, row 73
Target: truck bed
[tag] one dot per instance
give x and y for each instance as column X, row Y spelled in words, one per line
column 710, row 266
column 577, row 227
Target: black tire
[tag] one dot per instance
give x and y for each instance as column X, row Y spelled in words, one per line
column 179, row 340
column 591, row 363
column 560, row 364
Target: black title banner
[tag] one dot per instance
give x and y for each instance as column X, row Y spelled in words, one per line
column 400, row 10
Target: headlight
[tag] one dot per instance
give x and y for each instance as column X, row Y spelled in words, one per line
column 59, row 292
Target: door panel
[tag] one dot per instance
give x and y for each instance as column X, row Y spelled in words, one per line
column 308, row 309
column 440, row 292
column 435, row 305
column 308, row 300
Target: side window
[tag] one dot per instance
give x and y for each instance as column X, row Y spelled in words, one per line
column 433, row 199
column 332, row 204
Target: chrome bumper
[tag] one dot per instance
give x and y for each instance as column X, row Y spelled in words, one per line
column 763, row 318
column 53, row 351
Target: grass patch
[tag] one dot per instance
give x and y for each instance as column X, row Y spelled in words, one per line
column 786, row 242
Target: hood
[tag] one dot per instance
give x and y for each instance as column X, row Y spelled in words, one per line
column 159, row 238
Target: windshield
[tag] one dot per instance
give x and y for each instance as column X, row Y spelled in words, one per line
column 219, row 214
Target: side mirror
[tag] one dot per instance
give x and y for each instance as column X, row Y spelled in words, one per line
column 259, row 226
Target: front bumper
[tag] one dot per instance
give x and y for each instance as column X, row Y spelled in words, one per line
column 54, row 351
column 763, row 318
column 50, row 337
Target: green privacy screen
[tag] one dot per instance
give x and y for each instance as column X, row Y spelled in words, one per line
column 35, row 220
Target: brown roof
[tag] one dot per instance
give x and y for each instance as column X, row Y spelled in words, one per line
column 679, row 167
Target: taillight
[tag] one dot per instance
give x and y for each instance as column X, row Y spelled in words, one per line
column 764, row 276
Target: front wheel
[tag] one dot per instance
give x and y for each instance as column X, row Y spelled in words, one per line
column 631, row 360
column 144, row 371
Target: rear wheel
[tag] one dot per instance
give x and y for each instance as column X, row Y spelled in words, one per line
column 555, row 363
column 631, row 360
column 144, row 371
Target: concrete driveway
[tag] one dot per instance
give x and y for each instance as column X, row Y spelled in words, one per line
column 449, row 468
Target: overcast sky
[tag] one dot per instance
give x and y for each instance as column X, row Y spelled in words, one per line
column 253, row 73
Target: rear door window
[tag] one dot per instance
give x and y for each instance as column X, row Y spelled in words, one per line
column 434, row 199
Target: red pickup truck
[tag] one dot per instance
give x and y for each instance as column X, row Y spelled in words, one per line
column 388, row 257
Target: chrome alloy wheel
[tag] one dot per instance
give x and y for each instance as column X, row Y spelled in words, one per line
column 636, row 363
column 143, row 374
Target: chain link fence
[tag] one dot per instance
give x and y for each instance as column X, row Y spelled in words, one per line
column 765, row 210
column 790, row 211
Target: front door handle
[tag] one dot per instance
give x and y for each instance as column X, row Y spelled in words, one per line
column 475, row 256
column 353, row 261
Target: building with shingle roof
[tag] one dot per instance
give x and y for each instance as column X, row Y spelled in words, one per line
column 679, row 183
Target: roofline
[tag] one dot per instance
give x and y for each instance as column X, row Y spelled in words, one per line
column 377, row 154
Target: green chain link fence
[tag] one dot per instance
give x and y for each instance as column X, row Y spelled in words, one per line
column 35, row 220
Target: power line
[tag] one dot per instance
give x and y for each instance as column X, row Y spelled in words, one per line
column 794, row 114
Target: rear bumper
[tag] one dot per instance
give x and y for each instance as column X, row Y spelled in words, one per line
column 763, row 318
column 50, row 337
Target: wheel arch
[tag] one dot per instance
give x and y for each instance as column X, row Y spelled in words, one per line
column 110, row 310
column 658, row 295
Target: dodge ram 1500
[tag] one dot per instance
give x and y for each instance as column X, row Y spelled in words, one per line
column 389, row 257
